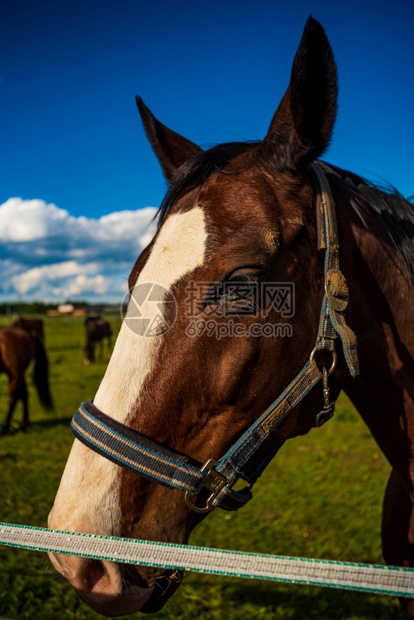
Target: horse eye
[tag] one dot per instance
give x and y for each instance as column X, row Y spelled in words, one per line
column 239, row 287
column 242, row 279
column 236, row 287
column 240, row 294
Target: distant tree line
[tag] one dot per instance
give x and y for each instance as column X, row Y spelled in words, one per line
column 32, row 307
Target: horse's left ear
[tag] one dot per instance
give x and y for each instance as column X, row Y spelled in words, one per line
column 171, row 149
column 302, row 125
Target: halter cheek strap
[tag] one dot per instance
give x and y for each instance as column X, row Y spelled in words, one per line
column 215, row 479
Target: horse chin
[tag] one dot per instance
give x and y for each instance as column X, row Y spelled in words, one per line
column 130, row 601
column 149, row 600
column 165, row 586
column 113, row 589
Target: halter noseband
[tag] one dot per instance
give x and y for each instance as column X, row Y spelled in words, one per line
column 152, row 461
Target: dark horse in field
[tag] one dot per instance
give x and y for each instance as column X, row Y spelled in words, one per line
column 33, row 326
column 17, row 349
column 240, row 215
column 96, row 329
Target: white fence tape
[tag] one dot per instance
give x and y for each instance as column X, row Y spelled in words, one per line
column 363, row 577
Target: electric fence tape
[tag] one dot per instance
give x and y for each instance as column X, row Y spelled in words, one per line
column 347, row 575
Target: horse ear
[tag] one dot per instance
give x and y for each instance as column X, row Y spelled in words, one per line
column 171, row 149
column 302, row 126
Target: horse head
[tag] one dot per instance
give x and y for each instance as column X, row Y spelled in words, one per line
column 224, row 310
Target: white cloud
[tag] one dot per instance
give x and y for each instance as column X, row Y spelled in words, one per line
column 46, row 253
column 31, row 220
column 39, row 277
column 99, row 285
column 26, row 220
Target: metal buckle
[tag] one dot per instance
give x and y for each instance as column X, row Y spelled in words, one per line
column 328, row 406
column 213, row 481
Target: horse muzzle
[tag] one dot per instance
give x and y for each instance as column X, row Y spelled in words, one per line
column 107, row 587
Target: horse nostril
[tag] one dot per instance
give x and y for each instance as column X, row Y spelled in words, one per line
column 96, row 577
column 89, row 576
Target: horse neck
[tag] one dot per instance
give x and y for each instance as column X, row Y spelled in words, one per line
column 380, row 313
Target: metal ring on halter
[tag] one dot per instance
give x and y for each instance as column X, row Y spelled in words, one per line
column 333, row 353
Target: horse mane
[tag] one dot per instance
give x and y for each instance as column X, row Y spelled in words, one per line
column 369, row 200
column 384, row 204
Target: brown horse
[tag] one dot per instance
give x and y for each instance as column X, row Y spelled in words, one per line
column 17, row 349
column 96, row 329
column 239, row 216
column 33, row 326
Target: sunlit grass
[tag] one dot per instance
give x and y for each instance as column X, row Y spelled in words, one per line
column 321, row 498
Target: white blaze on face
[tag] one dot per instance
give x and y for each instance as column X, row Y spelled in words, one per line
column 178, row 250
column 88, row 493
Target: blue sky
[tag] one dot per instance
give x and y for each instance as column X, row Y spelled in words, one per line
column 213, row 71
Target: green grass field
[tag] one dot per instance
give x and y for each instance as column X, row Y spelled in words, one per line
column 320, row 498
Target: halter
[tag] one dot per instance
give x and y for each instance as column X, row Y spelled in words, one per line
column 215, row 479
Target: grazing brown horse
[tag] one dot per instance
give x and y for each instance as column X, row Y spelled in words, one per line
column 33, row 326
column 17, row 349
column 238, row 219
column 96, row 329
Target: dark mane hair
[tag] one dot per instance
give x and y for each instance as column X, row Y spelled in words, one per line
column 368, row 200
column 383, row 203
